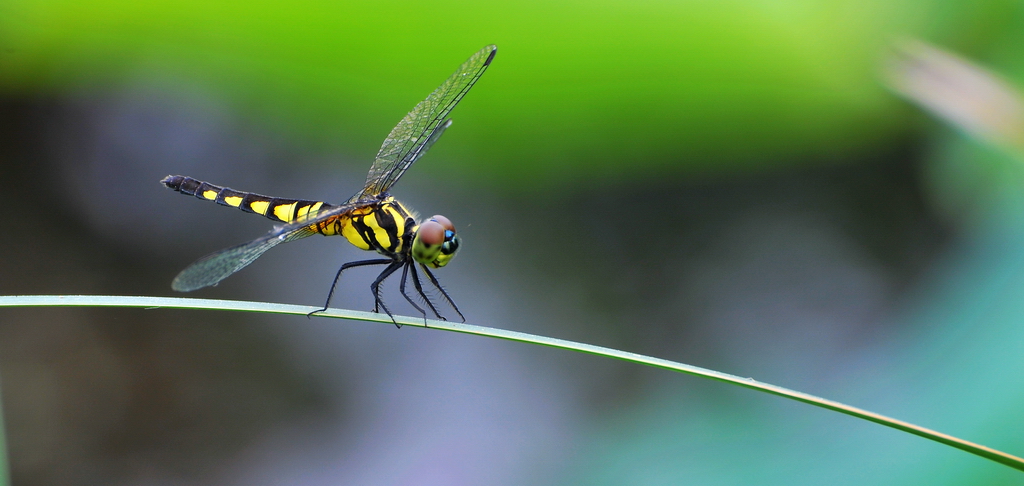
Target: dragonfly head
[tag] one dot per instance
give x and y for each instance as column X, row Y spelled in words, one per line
column 435, row 243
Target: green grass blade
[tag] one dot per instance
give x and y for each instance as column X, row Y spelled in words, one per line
column 232, row 305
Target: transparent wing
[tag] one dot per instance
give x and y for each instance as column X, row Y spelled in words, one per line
column 411, row 138
column 213, row 268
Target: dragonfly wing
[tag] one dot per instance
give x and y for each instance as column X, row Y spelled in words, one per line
column 411, row 138
column 215, row 267
column 434, row 135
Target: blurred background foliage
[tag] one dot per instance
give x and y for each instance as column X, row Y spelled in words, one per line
column 728, row 184
column 739, row 85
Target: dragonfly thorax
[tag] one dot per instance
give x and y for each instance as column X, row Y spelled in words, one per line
column 386, row 227
column 390, row 229
column 435, row 243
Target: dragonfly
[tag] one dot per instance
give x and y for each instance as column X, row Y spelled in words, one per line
column 371, row 219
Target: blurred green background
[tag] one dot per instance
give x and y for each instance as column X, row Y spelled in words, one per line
column 726, row 184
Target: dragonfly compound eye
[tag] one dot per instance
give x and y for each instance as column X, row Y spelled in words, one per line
column 444, row 222
column 432, row 234
column 428, row 242
column 435, row 243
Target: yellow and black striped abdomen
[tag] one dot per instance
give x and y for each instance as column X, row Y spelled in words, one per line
column 384, row 226
column 275, row 208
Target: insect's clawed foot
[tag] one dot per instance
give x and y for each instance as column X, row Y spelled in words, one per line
column 376, row 310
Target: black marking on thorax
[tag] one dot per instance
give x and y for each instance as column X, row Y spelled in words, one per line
column 398, row 225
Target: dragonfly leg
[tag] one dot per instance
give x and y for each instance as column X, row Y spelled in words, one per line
column 378, row 303
column 360, row 263
column 444, row 294
column 401, row 288
column 419, row 289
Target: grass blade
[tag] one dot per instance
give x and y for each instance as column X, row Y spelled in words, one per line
column 264, row 307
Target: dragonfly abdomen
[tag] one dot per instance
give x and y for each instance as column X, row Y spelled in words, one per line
column 275, row 208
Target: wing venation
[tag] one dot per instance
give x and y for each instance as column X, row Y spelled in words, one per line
column 213, row 268
column 411, row 138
